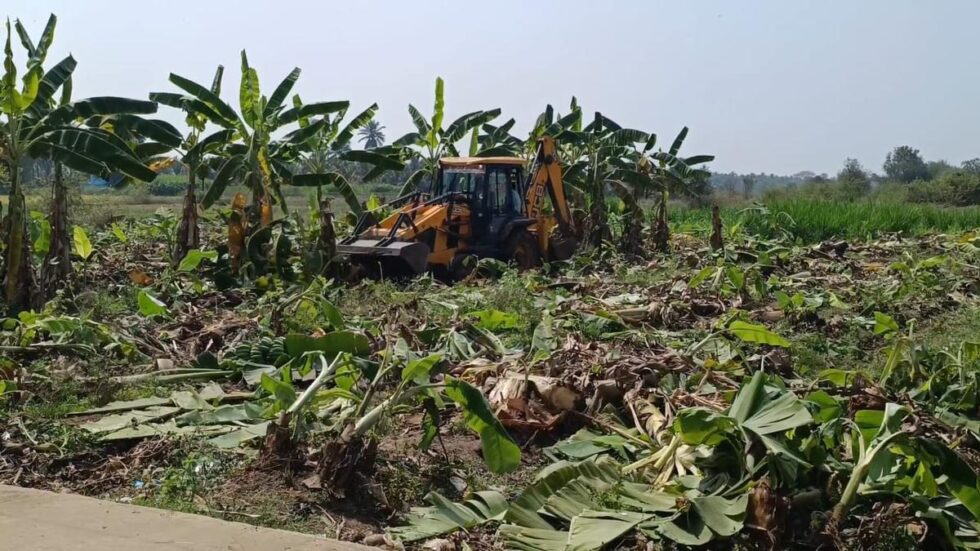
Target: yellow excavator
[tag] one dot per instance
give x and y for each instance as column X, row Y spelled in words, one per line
column 478, row 207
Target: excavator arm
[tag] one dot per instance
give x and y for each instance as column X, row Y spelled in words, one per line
column 545, row 177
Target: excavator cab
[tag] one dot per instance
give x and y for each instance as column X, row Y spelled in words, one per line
column 492, row 191
column 477, row 207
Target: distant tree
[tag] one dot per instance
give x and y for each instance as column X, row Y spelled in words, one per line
column 372, row 135
column 698, row 188
column 938, row 168
column 728, row 186
column 818, row 179
column 905, row 164
column 955, row 187
column 853, row 180
column 973, row 165
column 748, row 184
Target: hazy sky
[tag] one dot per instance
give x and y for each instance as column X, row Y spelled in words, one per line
column 769, row 85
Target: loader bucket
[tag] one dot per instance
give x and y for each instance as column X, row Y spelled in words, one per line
column 396, row 259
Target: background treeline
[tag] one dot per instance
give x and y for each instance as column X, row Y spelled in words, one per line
column 905, row 176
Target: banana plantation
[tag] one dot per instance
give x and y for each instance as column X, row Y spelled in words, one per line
column 572, row 367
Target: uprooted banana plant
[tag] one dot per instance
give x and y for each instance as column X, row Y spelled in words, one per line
column 701, row 473
column 667, row 492
column 353, row 413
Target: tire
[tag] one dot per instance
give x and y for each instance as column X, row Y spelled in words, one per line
column 461, row 266
column 561, row 248
column 522, row 250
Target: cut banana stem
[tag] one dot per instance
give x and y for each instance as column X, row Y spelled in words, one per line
column 325, row 374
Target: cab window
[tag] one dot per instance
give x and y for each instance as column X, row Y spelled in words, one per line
column 503, row 183
column 459, row 181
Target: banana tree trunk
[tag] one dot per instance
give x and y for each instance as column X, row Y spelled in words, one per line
column 716, row 241
column 632, row 239
column 56, row 269
column 188, row 233
column 261, row 205
column 327, row 239
column 661, row 231
column 19, row 285
column 598, row 220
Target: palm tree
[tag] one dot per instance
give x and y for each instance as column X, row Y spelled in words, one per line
column 32, row 127
column 372, row 135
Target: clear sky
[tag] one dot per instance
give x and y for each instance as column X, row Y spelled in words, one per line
column 766, row 86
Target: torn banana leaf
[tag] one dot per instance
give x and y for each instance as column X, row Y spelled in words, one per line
column 135, row 418
column 596, row 529
column 704, row 518
column 444, row 516
column 533, row 539
column 168, row 428
column 237, row 437
column 527, row 509
column 125, row 405
column 223, row 415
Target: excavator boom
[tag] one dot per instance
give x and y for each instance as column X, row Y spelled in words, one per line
column 545, row 177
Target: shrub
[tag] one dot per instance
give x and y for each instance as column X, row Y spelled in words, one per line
column 167, row 185
column 955, row 187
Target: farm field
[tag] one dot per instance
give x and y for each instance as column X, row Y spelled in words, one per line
column 706, row 392
column 571, row 335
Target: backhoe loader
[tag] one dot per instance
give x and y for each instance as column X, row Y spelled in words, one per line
column 478, row 207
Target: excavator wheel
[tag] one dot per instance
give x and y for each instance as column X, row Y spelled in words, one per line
column 461, row 266
column 562, row 248
column 522, row 249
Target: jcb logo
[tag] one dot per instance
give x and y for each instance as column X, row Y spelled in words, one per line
column 535, row 199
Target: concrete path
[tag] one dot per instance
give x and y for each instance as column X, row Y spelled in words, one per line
column 35, row 520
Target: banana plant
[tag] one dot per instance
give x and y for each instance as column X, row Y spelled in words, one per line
column 145, row 138
column 430, row 141
column 249, row 157
column 56, row 267
column 497, row 140
column 667, row 171
column 319, row 144
column 252, row 126
column 33, row 128
column 312, row 156
column 195, row 151
column 595, row 155
column 868, row 452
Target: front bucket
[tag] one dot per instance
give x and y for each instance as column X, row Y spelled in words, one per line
column 400, row 258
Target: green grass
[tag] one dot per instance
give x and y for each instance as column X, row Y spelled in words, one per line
column 953, row 328
column 807, row 219
column 812, row 220
column 95, row 206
